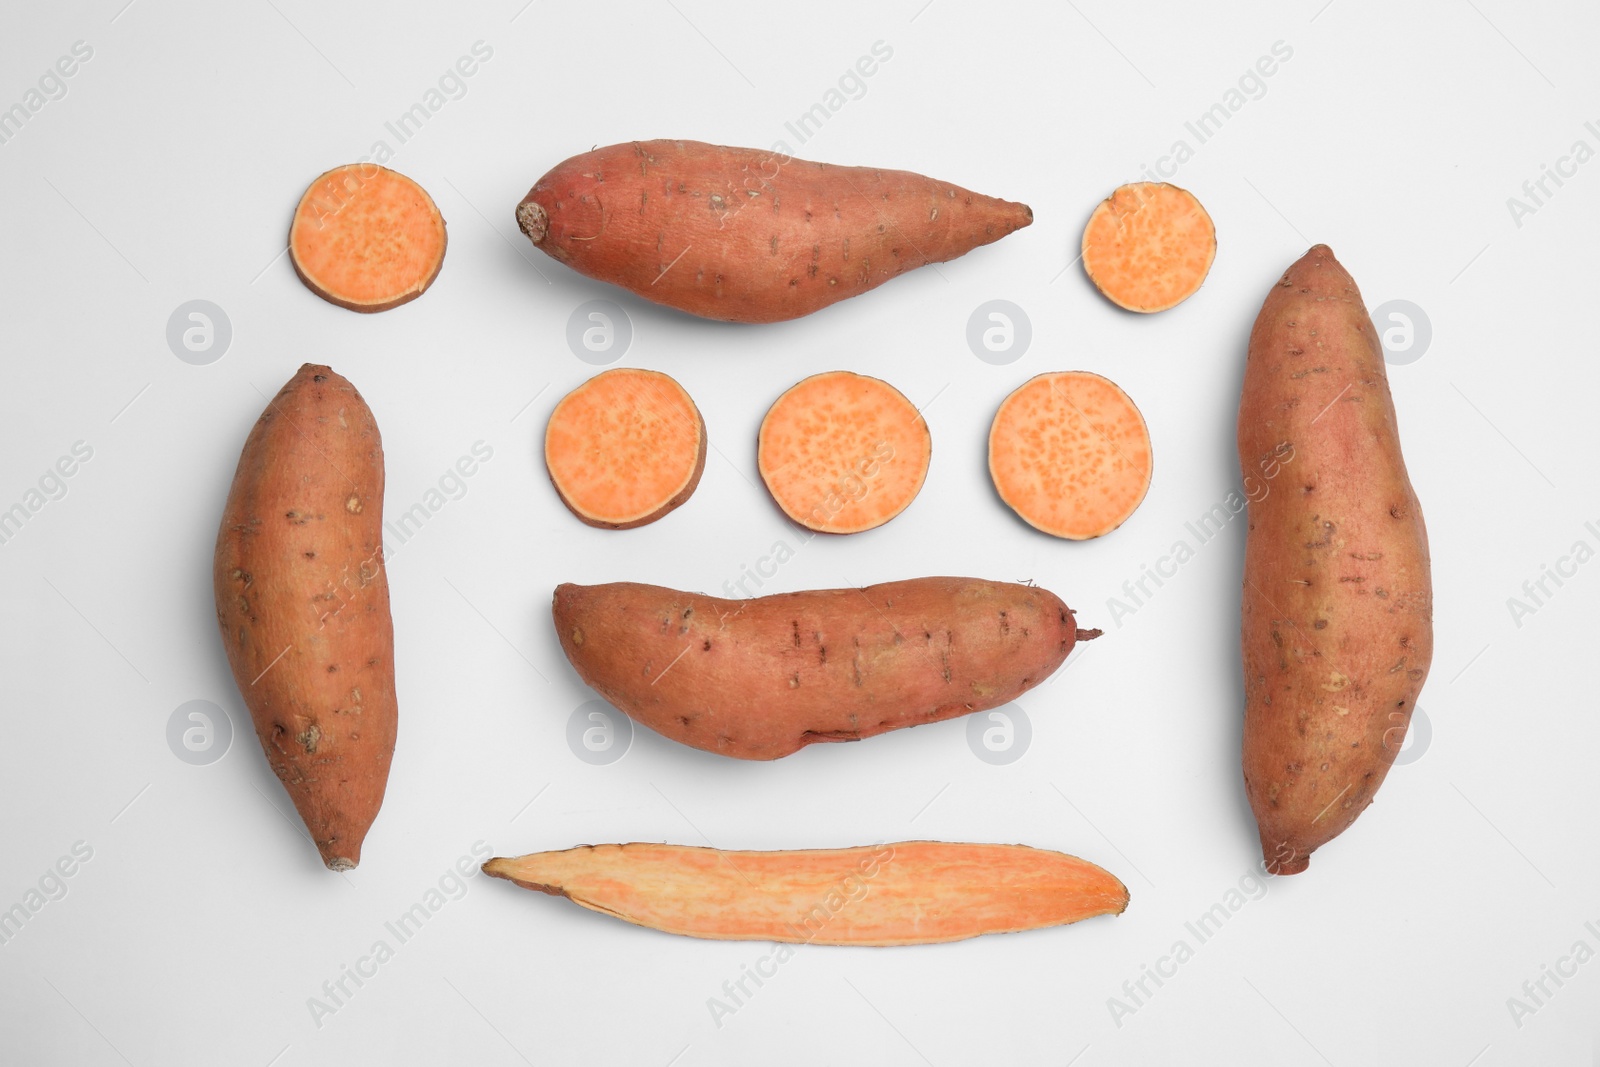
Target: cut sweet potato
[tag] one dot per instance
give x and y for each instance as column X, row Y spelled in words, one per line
column 842, row 453
column 912, row 893
column 366, row 238
column 1148, row 246
column 1069, row 452
column 625, row 448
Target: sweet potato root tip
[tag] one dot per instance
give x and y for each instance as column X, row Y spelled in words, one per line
column 302, row 601
column 1069, row 452
column 1337, row 606
column 1149, row 246
column 366, row 238
column 532, row 220
column 625, row 448
column 760, row 679
column 911, row 893
column 743, row 235
column 842, row 453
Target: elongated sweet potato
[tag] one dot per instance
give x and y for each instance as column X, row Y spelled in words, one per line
column 303, row 605
column 912, row 893
column 759, row 679
column 1337, row 628
column 743, row 235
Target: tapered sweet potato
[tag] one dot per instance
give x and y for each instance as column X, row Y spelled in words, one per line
column 743, row 235
column 912, row 893
column 759, row 679
column 1338, row 601
column 303, row 605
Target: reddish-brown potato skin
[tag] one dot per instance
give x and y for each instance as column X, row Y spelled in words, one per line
column 1337, row 628
column 759, row 679
column 303, row 605
column 743, row 235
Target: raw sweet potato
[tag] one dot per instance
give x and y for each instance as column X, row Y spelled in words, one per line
column 303, row 605
column 1069, row 453
column 843, row 453
column 759, row 679
column 625, row 447
column 1337, row 628
column 743, row 235
column 911, row 893
column 1149, row 246
column 366, row 238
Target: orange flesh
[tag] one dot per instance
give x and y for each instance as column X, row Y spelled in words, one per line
column 1069, row 452
column 625, row 447
column 366, row 238
column 911, row 893
column 1148, row 246
column 842, row 453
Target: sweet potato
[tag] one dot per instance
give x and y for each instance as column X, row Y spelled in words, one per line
column 625, row 447
column 759, row 679
column 1148, row 246
column 1337, row 629
column 366, row 238
column 911, row 893
column 843, row 453
column 743, row 235
column 1069, row 453
column 303, row 605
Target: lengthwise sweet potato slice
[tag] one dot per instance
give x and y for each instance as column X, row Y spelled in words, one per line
column 912, row 893
column 842, row 453
column 1069, row 452
column 1148, row 246
column 625, row 448
column 366, row 238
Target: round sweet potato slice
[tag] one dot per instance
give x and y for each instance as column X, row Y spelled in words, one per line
column 842, row 453
column 1069, row 452
column 366, row 238
column 1149, row 246
column 625, row 447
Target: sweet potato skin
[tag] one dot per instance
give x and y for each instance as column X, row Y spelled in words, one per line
column 1337, row 627
column 759, row 679
column 743, row 235
column 911, row 893
column 302, row 601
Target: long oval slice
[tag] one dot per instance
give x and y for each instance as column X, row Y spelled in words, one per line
column 1148, row 246
column 366, row 238
column 912, row 893
column 625, row 447
column 842, row 453
column 1070, row 453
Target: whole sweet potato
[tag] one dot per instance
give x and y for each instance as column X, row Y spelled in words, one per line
column 1338, row 604
column 749, row 236
column 759, row 679
column 303, row 605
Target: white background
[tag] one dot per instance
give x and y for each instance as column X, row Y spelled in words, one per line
column 203, row 922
